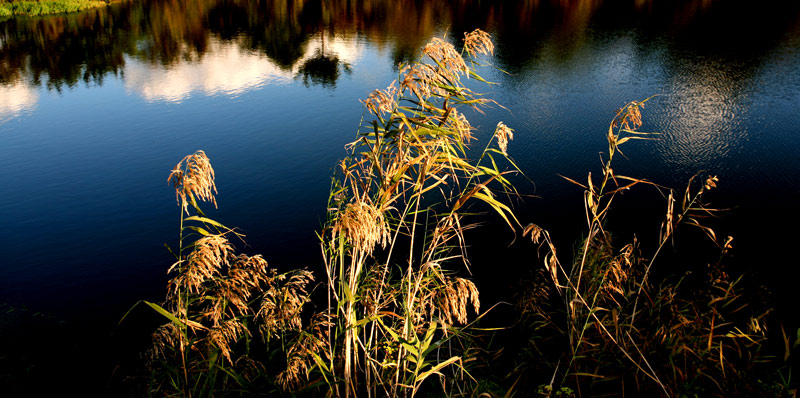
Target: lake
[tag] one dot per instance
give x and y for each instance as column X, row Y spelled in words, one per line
column 97, row 107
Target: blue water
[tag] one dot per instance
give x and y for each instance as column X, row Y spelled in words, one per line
column 88, row 138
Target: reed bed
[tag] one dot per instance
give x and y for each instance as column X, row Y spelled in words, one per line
column 400, row 310
column 394, row 238
column 601, row 326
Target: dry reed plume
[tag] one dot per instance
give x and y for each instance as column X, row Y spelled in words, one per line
column 478, row 42
column 193, row 177
column 504, row 134
column 403, row 187
column 399, row 300
column 625, row 334
column 218, row 301
column 363, row 226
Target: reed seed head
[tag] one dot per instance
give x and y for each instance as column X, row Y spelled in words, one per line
column 225, row 334
column 363, row 226
column 669, row 220
column 617, row 273
column 455, row 298
column 193, row 177
column 382, row 101
column 457, row 122
column 478, row 42
column 630, row 116
column 421, row 80
column 281, row 305
column 312, row 341
column 504, row 134
column 450, row 61
column 535, row 231
column 166, row 336
column 711, row 182
column 210, row 254
column 232, row 292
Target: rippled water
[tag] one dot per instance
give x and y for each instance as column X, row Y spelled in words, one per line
column 95, row 108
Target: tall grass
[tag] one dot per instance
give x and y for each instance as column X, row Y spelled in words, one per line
column 616, row 330
column 394, row 238
column 219, row 304
column 398, row 305
column 400, row 309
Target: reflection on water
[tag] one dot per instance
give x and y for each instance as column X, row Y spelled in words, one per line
column 16, row 98
column 62, row 51
column 227, row 68
column 95, row 108
column 705, row 114
column 570, row 64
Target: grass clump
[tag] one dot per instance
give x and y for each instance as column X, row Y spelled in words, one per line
column 601, row 325
column 394, row 239
column 220, row 305
column 396, row 311
column 398, row 308
column 47, row 7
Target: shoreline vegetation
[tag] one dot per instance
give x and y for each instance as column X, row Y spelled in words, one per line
column 48, row 7
column 396, row 311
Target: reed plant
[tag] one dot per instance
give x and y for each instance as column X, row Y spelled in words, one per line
column 393, row 244
column 220, row 304
column 603, row 326
column 401, row 309
column 398, row 306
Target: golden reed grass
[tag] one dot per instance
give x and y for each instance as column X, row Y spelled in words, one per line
column 402, row 188
column 193, row 176
column 478, row 42
column 217, row 299
column 395, row 316
column 625, row 334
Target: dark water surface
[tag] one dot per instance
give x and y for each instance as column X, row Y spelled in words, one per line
column 97, row 107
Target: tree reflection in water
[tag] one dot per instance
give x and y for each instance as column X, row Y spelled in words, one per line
column 61, row 51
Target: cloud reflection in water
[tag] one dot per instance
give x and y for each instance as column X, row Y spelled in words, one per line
column 227, row 69
column 16, row 98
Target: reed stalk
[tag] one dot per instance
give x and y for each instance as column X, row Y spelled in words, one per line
column 404, row 189
column 621, row 328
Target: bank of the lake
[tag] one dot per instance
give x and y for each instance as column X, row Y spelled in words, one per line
column 48, row 7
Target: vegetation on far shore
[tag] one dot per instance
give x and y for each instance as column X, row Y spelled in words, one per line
column 396, row 313
column 46, row 7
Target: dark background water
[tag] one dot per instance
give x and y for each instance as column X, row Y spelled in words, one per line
column 97, row 107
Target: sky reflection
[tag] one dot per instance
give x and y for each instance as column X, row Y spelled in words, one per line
column 703, row 117
column 227, row 69
column 270, row 90
column 16, row 98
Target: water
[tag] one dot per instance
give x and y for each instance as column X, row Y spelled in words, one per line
column 97, row 107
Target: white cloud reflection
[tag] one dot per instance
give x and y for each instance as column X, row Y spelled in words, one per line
column 225, row 69
column 16, row 99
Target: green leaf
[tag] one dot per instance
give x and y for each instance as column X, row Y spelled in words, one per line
column 199, row 230
column 435, row 370
column 171, row 252
column 165, row 313
column 158, row 309
column 206, row 220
